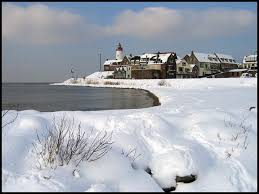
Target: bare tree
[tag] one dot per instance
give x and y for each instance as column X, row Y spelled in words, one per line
column 4, row 114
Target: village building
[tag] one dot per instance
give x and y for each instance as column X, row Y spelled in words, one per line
column 160, row 65
column 227, row 62
column 207, row 63
column 211, row 63
column 185, row 70
column 149, row 66
column 110, row 65
column 229, row 74
column 122, row 72
column 250, row 62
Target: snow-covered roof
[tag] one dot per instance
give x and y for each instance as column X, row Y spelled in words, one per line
column 237, row 70
column 147, row 55
column 179, row 60
column 109, row 62
column 226, row 58
column 250, row 58
column 206, row 57
column 164, row 57
column 192, row 65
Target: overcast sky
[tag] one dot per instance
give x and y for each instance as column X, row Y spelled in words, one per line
column 41, row 41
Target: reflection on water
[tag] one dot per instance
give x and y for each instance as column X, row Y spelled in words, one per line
column 45, row 97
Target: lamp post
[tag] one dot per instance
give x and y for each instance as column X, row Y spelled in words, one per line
column 100, row 55
column 255, row 59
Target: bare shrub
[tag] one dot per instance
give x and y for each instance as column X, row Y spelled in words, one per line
column 90, row 81
column 239, row 139
column 131, row 154
column 8, row 122
column 111, row 83
column 65, row 142
column 163, row 82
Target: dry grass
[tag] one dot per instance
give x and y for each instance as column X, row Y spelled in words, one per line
column 90, row 81
column 111, row 83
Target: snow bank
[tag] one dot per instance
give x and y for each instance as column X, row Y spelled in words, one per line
column 203, row 127
column 100, row 74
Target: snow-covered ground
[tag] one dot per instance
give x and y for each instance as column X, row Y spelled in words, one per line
column 202, row 127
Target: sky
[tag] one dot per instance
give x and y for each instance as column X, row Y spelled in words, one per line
column 41, row 42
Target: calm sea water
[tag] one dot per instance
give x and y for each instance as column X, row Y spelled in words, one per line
column 45, row 97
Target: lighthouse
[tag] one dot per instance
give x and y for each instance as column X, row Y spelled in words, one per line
column 119, row 52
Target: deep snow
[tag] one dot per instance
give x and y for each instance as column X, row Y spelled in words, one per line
column 192, row 132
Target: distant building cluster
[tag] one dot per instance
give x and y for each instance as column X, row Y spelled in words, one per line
column 162, row 65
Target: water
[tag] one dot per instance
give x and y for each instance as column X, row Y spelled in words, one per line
column 46, row 98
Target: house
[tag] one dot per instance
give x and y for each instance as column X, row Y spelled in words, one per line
column 146, row 74
column 165, row 61
column 110, row 65
column 185, row 70
column 126, row 60
column 250, row 62
column 122, row 72
column 207, row 63
column 227, row 62
column 153, row 65
column 211, row 63
column 228, row 74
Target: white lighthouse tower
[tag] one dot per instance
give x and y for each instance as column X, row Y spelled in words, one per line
column 119, row 52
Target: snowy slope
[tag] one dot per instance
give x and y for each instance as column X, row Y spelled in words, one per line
column 100, row 74
column 192, row 132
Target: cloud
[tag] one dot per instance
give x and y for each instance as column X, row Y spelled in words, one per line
column 38, row 24
column 147, row 23
column 159, row 22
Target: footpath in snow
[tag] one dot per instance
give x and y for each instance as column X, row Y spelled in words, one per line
column 203, row 128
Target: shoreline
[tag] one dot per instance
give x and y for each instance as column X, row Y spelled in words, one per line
column 156, row 101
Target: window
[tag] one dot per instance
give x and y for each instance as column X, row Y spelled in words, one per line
column 202, row 65
column 206, row 66
column 180, row 69
column 187, row 70
column 184, row 63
